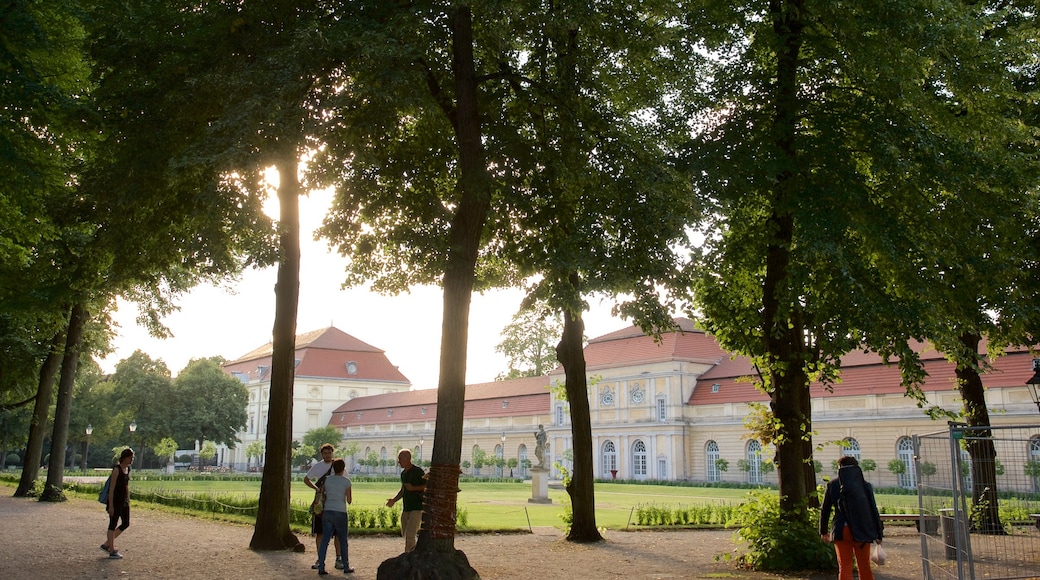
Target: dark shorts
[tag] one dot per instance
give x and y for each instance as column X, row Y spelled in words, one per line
column 121, row 513
column 316, row 523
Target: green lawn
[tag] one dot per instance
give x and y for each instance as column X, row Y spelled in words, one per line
column 504, row 506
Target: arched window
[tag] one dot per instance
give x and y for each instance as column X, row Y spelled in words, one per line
column 850, row 447
column 1033, row 463
column 521, row 457
column 711, row 461
column 639, row 459
column 753, row 456
column 608, row 457
column 662, row 409
column 905, row 453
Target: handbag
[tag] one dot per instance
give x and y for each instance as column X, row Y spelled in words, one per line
column 877, row 555
column 318, row 505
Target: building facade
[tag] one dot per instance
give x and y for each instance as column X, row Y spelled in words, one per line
column 674, row 409
column 331, row 367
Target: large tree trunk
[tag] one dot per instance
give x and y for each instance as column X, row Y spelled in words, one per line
column 435, row 555
column 52, row 490
column 985, row 503
column 41, row 408
column 782, row 326
column 580, row 489
column 271, row 531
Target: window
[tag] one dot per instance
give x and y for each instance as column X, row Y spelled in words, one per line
column 662, row 467
column 500, row 454
column 850, row 447
column 662, row 409
column 505, row 404
column 559, row 414
column 639, row 459
column 351, row 368
column 606, row 398
column 521, row 457
column 905, row 453
column 715, row 387
column 608, row 455
column 711, row 460
column 252, row 424
column 753, row 457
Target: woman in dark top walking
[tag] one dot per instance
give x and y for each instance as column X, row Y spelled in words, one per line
column 118, row 502
column 857, row 523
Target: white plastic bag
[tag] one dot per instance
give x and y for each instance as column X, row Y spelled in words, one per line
column 877, row 555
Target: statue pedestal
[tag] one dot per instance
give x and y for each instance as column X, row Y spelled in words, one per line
column 539, row 486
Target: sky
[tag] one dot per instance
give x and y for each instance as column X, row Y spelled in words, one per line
column 232, row 321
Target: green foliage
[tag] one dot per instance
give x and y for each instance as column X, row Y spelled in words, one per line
column 780, row 541
column 319, row 436
column 897, row 466
column 698, row 515
column 165, row 448
column 529, row 343
column 1032, row 468
column 722, row 464
column 927, row 468
column 13, row 459
column 867, row 465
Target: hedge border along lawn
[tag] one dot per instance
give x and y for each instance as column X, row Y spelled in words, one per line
column 482, row 505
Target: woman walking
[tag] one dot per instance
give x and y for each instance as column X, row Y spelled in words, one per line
column 857, row 522
column 118, row 502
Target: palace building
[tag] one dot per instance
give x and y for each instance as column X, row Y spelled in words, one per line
column 670, row 409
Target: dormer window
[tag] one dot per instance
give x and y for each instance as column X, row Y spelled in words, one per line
column 351, row 368
column 359, row 414
column 389, row 412
column 422, row 411
column 715, row 387
column 505, row 404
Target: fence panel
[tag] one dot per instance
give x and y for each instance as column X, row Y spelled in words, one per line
column 983, row 488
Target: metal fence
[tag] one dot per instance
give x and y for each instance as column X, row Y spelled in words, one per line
column 979, row 499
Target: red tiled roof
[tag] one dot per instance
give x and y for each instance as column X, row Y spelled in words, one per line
column 324, row 353
column 630, row 346
column 527, row 396
column 862, row 373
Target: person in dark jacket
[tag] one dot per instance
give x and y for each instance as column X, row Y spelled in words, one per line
column 856, row 524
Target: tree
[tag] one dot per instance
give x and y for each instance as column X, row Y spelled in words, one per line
column 319, row 436
column 207, row 452
column 834, row 145
column 164, row 450
column 528, row 344
column 208, row 405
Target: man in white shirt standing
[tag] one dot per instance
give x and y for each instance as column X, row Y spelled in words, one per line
column 315, row 477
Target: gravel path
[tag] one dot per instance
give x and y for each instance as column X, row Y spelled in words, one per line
column 60, row 540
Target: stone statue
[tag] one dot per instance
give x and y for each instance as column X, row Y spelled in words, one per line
column 542, row 446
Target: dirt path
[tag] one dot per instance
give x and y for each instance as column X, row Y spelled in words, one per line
column 45, row 540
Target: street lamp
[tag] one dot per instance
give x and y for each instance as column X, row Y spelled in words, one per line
column 133, row 428
column 86, row 452
column 420, row 447
column 502, row 470
column 1032, row 384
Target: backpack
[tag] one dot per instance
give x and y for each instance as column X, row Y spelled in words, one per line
column 102, row 496
column 855, row 500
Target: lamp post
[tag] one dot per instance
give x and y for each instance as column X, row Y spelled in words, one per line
column 420, row 448
column 133, row 428
column 86, row 452
column 502, row 469
column 1033, row 384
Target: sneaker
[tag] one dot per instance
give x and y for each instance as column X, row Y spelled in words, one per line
column 339, row 563
column 315, row 565
column 115, row 555
column 348, row 570
column 322, row 572
column 104, row 548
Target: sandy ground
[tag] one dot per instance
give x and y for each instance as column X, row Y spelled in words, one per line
column 60, row 540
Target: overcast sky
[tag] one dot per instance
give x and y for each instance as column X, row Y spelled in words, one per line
column 216, row 321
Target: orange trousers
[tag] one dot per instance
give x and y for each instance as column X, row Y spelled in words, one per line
column 845, row 549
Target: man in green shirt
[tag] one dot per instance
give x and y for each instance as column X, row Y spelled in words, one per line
column 413, row 484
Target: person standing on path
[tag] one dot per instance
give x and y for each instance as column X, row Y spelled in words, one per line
column 413, row 484
column 857, row 522
column 314, row 479
column 338, row 495
column 118, row 502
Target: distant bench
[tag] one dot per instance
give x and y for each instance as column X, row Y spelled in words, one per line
column 931, row 523
column 1036, row 520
